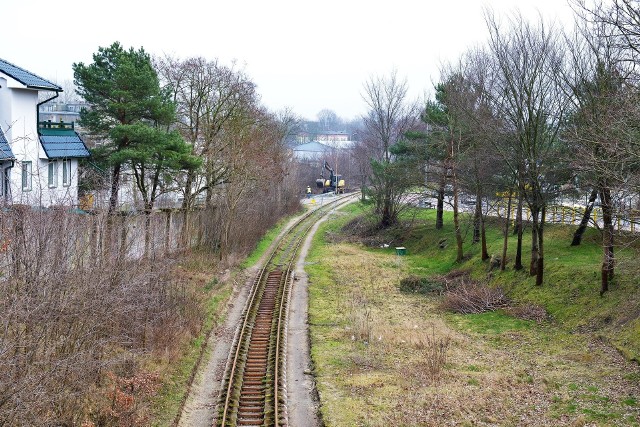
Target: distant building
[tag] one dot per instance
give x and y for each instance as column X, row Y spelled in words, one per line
column 303, row 137
column 38, row 161
column 332, row 136
column 61, row 111
column 326, row 136
column 311, row 151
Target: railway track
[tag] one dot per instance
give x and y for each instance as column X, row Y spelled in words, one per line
column 254, row 386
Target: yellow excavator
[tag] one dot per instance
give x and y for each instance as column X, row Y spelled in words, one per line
column 334, row 183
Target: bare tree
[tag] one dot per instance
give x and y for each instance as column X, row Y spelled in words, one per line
column 526, row 94
column 604, row 110
column 207, row 95
column 328, row 119
column 621, row 21
column 390, row 115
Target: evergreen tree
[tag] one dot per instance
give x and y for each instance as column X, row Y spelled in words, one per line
column 122, row 89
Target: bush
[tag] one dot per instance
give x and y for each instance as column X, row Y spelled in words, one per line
column 529, row 312
column 438, row 352
column 474, row 298
column 420, row 285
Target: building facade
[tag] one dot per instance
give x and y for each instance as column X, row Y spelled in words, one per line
column 38, row 161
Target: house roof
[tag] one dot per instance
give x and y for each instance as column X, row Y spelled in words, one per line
column 5, row 149
column 62, row 143
column 312, row 146
column 27, row 78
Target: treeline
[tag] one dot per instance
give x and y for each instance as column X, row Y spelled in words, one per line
column 190, row 130
column 535, row 115
column 88, row 299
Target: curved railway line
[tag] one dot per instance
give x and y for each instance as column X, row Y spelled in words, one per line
column 254, row 386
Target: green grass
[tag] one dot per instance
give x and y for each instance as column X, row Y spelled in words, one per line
column 570, row 291
column 557, row 358
column 264, row 243
column 491, row 323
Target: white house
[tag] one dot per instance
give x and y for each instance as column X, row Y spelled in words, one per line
column 38, row 161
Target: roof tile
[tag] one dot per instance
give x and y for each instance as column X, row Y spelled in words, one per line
column 69, row 145
column 5, row 149
column 27, row 78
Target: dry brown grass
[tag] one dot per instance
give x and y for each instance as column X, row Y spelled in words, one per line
column 532, row 312
column 409, row 367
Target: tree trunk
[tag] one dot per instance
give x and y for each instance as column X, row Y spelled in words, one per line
column 483, row 237
column 115, row 186
column 363, row 187
column 456, row 220
column 540, row 267
column 388, row 217
column 187, row 206
column 167, row 233
column 440, row 207
column 535, row 217
column 503, row 261
column 185, row 239
column 518, row 229
column 577, row 235
column 122, row 252
column 607, row 238
column 477, row 219
column 113, row 204
column 147, row 232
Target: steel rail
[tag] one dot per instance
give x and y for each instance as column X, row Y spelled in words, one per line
column 243, row 337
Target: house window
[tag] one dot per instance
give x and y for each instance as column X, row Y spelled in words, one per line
column 66, row 172
column 26, row 176
column 53, row 174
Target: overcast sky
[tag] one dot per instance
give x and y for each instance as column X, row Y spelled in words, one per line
column 301, row 54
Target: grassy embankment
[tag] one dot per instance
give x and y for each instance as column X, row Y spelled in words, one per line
column 372, row 344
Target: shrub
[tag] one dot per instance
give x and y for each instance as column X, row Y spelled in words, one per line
column 420, row 285
column 529, row 312
column 437, row 352
column 474, row 298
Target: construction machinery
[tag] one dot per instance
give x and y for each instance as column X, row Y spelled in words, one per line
column 333, row 183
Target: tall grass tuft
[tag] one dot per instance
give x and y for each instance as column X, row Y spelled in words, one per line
column 437, row 349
